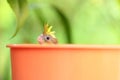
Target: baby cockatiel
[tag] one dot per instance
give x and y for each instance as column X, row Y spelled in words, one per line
column 47, row 37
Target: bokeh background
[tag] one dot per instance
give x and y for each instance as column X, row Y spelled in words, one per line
column 75, row 22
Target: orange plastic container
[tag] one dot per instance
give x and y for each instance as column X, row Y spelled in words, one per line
column 65, row 62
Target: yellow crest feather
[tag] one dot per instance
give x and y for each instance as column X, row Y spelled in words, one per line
column 48, row 30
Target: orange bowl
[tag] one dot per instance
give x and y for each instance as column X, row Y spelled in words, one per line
column 65, row 62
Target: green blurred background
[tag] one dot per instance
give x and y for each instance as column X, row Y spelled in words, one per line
column 75, row 22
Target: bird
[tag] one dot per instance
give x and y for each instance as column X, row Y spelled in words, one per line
column 48, row 36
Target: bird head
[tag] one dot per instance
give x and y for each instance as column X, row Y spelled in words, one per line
column 48, row 36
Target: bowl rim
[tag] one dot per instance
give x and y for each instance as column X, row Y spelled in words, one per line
column 64, row 46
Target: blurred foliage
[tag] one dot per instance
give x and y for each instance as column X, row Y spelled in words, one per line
column 20, row 9
column 75, row 21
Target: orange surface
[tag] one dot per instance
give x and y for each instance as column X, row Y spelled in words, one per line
column 65, row 62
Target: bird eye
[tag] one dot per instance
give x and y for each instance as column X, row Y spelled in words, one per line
column 47, row 38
